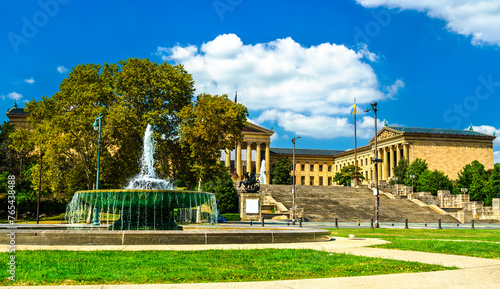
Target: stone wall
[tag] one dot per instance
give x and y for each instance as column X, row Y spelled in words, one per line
column 451, row 156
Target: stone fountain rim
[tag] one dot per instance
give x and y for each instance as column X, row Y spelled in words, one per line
column 140, row 191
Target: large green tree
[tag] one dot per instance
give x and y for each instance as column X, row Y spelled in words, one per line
column 222, row 186
column 15, row 163
column 210, row 125
column 416, row 168
column 130, row 94
column 282, row 171
column 433, row 181
column 493, row 185
column 346, row 175
column 473, row 177
column 400, row 171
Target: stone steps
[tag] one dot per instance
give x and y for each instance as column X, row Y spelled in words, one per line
column 324, row 204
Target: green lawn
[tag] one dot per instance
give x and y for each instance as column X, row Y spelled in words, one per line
column 130, row 267
column 467, row 242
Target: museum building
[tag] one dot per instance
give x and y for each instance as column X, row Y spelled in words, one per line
column 447, row 150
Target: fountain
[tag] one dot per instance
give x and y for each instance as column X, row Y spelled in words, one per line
column 262, row 176
column 147, row 203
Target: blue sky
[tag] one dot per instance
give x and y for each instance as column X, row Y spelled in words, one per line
column 297, row 65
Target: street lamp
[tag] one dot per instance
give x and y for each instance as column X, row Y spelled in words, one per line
column 376, row 160
column 97, row 127
column 464, row 190
column 293, row 180
column 412, row 177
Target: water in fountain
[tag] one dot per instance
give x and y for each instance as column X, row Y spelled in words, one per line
column 146, row 203
column 262, row 176
column 146, row 179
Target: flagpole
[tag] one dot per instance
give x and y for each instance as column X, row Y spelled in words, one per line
column 235, row 174
column 355, row 148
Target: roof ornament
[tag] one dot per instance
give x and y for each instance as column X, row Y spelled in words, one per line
column 15, row 104
column 385, row 123
column 471, row 128
column 403, row 130
column 494, row 133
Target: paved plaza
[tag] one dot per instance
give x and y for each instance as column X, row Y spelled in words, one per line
column 472, row 273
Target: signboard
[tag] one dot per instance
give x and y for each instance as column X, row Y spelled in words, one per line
column 375, row 192
column 252, row 206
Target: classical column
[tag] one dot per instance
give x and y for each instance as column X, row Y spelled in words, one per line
column 406, row 151
column 228, row 159
column 258, row 158
column 249, row 157
column 381, row 164
column 238, row 160
column 392, row 161
column 268, row 164
column 388, row 159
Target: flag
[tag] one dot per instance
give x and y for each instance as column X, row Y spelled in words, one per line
column 353, row 110
column 236, row 97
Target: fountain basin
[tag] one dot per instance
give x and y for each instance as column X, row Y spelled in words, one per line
column 142, row 209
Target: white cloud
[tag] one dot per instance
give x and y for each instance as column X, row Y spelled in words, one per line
column 302, row 88
column 320, row 126
column 496, row 157
column 487, row 129
column 393, row 89
column 30, row 80
column 62, row 69
column 12, row 95
column 479, row 19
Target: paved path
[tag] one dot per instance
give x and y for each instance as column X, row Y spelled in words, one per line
column 473, row 272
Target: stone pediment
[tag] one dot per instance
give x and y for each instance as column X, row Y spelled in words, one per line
column 386, row 132
column 252, row 128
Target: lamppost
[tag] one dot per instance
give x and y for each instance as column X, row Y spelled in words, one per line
column 39, row 189
column 293, row 180
column 376, row 160
column 412, row 177
column 97, row 127
column 464, row 190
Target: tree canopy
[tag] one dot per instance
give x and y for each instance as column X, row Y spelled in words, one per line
column 282, row 170
column 346, row 175
column 400, row 171
column 416, row 168
column 130, row 94
column 433, row 181
column 210, row 125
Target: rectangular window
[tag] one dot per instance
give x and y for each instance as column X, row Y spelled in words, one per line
column 303, row 167
column 330, row 168
column 361, row 162
column 320, row 168
column 329, row 181
column 311, row 181
column 312, row 168
column 303, row 180
column 320, row 181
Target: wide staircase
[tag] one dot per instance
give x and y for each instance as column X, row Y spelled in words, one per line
column 324, row 204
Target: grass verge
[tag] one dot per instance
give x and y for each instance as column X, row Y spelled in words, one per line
column 150, row 267
column 466, row 242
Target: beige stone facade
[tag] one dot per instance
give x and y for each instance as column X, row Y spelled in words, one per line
column 444, row 149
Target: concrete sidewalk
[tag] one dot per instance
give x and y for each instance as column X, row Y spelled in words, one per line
column 473, row 272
